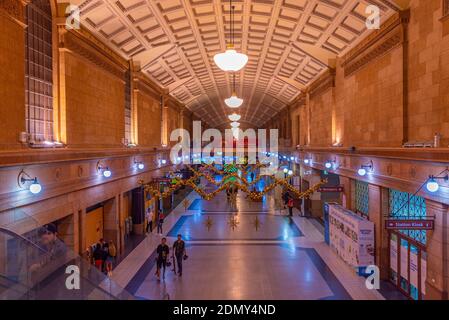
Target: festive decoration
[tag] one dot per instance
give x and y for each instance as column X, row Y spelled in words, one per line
column 208, row 223
column 233, row 222
column 231, row 178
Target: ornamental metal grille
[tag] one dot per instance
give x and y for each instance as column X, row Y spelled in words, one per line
column 39, row 71
column 128, row 115
column 362, row 197
column 404, row 205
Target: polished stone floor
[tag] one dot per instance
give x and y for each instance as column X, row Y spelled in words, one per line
column 266, row 255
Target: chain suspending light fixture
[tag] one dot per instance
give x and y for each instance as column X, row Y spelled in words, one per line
column 234, row 117
column 233, row 101
column 231, row 60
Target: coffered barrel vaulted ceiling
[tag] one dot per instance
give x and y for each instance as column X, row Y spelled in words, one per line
column 288, row 42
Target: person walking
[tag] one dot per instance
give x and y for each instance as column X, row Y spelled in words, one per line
column 160, row 223
column 285, row 197
column 112, row 253
column 290, row 204
column 161, row 261
column 179, row 251
column 98, row 256
column 150, row 217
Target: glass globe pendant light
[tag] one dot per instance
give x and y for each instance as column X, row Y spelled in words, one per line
column 231, row 60
column 234, row 117
column 234, row 101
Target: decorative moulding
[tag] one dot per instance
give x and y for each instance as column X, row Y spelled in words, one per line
column 323, row 83
column 84, row 45
column 378, row 43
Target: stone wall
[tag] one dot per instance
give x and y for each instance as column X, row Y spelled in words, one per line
column 95, row 105
column 428, row 72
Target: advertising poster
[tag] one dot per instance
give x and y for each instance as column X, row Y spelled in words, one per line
column 414, row 268
column 404, row 261
column 423, row 273
column 394, row 255
column 351, row 236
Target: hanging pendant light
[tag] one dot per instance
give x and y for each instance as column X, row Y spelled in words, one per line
column 234, row 101
column 235, row 124
column 231, row 60
column 234, row 117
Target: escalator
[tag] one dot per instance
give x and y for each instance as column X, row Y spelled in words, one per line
column 32, row 270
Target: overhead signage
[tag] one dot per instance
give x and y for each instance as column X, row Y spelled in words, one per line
column 331, row 189
column 396, row 224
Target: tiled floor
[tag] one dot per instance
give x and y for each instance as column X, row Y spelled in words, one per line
column 283, row 259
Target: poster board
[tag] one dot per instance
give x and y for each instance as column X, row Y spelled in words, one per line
column 351, row 236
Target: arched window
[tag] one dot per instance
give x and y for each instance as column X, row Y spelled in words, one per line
column 38, row 72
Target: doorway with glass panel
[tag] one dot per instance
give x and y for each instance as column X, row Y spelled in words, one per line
column 408, row 265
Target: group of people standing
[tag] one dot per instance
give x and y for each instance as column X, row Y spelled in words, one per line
column 103, row 255
column 163, row 253
column 159, row 222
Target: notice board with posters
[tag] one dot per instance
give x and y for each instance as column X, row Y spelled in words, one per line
column 351, row 236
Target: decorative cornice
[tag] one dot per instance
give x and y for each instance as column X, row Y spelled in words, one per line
column 381, row 41
column 83, row 44
column 323, row 83
column 144, row 85
column 15, row 10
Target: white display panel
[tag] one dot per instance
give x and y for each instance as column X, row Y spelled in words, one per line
column 351, row 236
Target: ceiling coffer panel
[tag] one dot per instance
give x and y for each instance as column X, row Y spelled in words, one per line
column 175, row 41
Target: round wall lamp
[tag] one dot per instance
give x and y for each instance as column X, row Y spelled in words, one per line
column 365, row 168
column 432, row 185
column 331, row 164
column 104, row 170
column 139, row 164
column 24, row 178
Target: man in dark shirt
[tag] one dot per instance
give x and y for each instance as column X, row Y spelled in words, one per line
column 162, row 255
column 179, row 250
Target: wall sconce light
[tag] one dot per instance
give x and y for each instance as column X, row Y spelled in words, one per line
column 365, row 168
column 139, row 164
column 104, row 170
column 163, row 161
column 432, row 184
column 307, row 161
column 22, row 179
column 292, row 158
column 329, row 164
